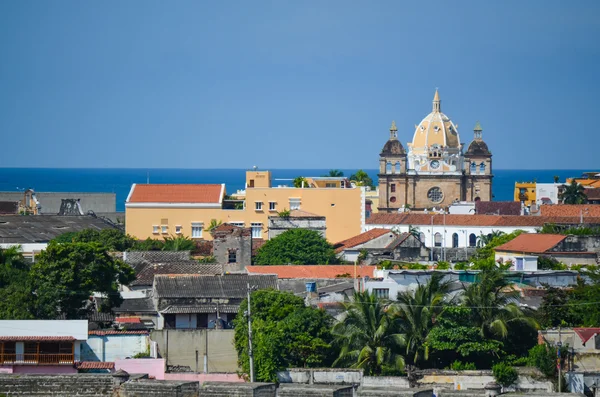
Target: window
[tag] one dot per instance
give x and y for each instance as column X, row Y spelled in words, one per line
column 422, row 237
column 178, row 229
column 329, row 184
column 256, row 230
column 392, row 199
column 435, row 195
column 472, row 240
column 398, row 167
column 454, row 240
column 164, row 229
column 482, row 168
column 381, row 293
column 232, row 257
column 294, row 204
column 272, row 205
column 473, row 168
column 393, row 188
column 438, row 239
column 197, row 229
column 238, row 224
column 258, row 205
column 155, row 229
column 388, row 168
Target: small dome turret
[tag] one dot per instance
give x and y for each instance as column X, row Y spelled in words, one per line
column 393, row 147
column 478, row 147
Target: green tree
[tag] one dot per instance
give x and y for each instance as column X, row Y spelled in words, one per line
column 583, row 310
column 361, row 178
column 556, row 178
column 300, row 182
column 111, row 239
column 334, row 174
column 485, row 239
column 178, row 243
column 15, row 288
column 368, row 337
column 213, row 224
column 286, row 334
column 298, row 247
column 418, row 311
column 66, row 275
column 573, row 193
column 150, row 244
column 505, row 374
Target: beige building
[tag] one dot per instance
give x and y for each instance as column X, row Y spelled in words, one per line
column 434, row 172
column 157, row 211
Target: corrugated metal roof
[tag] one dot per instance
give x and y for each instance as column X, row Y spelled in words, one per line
column 208, row 308
column 146, row 275
column 198, row 286
column 136, row 305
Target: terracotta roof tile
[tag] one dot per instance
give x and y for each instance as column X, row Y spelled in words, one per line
column 573, row 210
column 361, row 239
column 592, row 194
column 312, row 271
column 532, row 243
column 36, row 338
column 128, row 320
column 117, row 332
column 176, row 193
column 96, row 365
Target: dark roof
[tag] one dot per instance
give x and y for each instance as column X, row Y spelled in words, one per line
column 9, row 207
column 498, row 207
column 100, row 317
column 137, row 305
column 592, row 194
column 207, row 308
column 17, row 229
column 392, row 147
column 478, row 148
column 132, row 257
column 222, row 286
column 146, row 275
column 341, row 287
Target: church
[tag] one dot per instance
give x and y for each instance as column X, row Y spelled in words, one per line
column 434, row 171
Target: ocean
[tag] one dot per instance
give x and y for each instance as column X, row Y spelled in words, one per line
column 119, row 180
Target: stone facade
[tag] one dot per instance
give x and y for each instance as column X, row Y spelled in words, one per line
column 226, row 389
column 232, row 247
column 278, row 225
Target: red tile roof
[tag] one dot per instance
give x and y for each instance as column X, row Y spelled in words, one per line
column 532, row 243
column 586, row 334
column 312, row 271
column 574, row 210
column 471, row 220
column 361, row 239
column 176, row 193
column 36, row 338
column 127, row 320
column 96, row 365
column 102, row 332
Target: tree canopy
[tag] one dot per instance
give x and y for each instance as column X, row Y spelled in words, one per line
column 111, row 239
column 362, row 179
column 298, row 247
column 573, row 193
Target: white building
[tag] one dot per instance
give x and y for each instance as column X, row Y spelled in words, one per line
column 547, row 193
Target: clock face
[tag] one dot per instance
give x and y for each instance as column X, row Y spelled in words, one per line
column 435, row 164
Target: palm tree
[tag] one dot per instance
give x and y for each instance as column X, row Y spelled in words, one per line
column 493, row 304
column 300, row 181
column 418, row 311
column 485, row 239
column 213, row 224
column 573, row 193
column 335, row 173
column 556, row 178
column 367, row 336
column 179, row 243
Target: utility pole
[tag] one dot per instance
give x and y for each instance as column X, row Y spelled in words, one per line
column 250, row 353
column 559, row 344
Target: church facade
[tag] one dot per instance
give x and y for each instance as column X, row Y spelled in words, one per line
column 435, row 171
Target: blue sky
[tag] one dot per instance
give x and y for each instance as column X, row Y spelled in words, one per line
column 293, row 84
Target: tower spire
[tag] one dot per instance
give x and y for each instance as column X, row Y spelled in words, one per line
column 477, row 131
column 437, row 102
column 393, row 130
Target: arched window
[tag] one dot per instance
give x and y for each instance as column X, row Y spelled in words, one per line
column 473, row 167
column 388, row 168
column 422, row 237
column 482, row 168
column 398, row 167
column 455, row 240
column 472, row 240
column 438, row 239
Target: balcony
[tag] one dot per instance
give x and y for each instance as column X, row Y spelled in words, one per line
column 36, row 358
column 523, row 197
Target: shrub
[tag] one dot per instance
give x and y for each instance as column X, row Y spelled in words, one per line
column 460, row 366
column 461, row 266
column 504, row 374
column 543, row 357
column 442, row 265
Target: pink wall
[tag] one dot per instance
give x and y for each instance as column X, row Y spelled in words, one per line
column 44, row 369
column 216, row 377
column 152, row 366
column 6, row 369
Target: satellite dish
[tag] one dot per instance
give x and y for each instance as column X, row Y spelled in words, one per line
column 254, row 167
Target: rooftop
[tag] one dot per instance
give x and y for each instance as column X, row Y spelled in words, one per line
column 417, row 219
column 498, row 207
column 534, row 243
column 574, row 210
column 361, row 239
column 176, row 194
column 312, row 271
column 221, row 286
column 146, row 275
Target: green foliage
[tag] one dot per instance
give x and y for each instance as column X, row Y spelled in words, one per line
column 213, row 224
column 504, row 374
column 549, row 263
column 385, row 265
column 363, row 254
column 442, row 265
column 144, row 354
column 67, row 274
column 301, row 182
column 573, row 193
column 286, row 334
column 110, row 239
column 178, row 243
column 487, row 251
column 334, row 174
column 361, row 178
column 208, row 259
column 284, row 214
column 461, row 266
column 14, row 285
column 149, row 244
column 368, row 337
column 414, row 266
column 553, row 311
column 460, row 366
column 551, row 228
column 543, row 357
column 298, row 247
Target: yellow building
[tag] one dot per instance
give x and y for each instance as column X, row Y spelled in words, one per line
column 525, row 192
column 157, row 211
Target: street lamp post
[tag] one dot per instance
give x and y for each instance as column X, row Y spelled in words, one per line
column 559, row 345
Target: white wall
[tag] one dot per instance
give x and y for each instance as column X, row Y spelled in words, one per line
column 113, row 347
column 463, row 232
column 529, row 261
column 78, row 329
column 549, row 190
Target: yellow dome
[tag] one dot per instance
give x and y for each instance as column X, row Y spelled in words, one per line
column 435, row 129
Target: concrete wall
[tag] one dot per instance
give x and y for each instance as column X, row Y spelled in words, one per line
column 154, row 367
column 238, row 240
column 278, row 225
column 143, row 388
column 224, row 389
column 179, row 347
column 202, row 378
column 113, row 347
column 38, row 369
column 321, row 376
column 88, row 385
column 300, row 390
